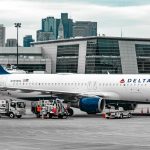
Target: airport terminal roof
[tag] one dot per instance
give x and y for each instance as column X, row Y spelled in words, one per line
column 91, row 38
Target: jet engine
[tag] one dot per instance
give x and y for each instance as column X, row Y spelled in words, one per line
column 92, row 105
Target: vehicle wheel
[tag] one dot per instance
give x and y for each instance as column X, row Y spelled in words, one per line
column 19, row 116
column 129, row 115
column 65, row 116
column 70, row 112
column 60, row 116
column 11, row 115
column 121, row 116
column 49, row 116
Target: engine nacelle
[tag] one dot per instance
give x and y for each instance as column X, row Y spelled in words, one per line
column 92, row 104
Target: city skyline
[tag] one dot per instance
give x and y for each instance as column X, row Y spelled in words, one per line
column 112, row 15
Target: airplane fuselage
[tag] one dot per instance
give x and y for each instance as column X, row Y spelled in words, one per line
column 113, row 87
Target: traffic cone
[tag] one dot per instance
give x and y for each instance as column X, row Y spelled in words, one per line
column 103, row 115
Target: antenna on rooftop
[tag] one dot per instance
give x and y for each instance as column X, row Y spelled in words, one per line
column 121, row 32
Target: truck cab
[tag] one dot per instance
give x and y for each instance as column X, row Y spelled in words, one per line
column 12, row 108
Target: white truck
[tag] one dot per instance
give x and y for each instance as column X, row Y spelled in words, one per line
column 12, row 108
column 118, row 114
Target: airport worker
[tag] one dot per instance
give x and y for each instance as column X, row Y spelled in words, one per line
column 43, row 112
column 38, row 109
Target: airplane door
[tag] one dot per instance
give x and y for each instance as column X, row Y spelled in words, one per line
column 2, row 82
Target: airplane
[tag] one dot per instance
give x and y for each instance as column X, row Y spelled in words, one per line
column 90, row 93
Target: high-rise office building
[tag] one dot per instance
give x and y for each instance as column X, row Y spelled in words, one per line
column 44, row 36
column 11, row 43
column 27, row 40
column 67, row 25
column 2, row 35
column 48, row 31
column 49, row 25
column 84, row 28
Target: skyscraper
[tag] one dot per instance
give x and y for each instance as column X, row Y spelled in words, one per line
column 11, row 43
column 2, row 35
column 84, row 28
column 48, row 31
column 67, row 25
column 27, row 40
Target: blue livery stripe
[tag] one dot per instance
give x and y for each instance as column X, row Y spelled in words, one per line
column 3, row 71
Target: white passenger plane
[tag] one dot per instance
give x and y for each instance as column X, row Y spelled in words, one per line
column 89, row 92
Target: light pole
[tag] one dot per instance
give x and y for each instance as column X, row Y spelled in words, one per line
column 17, row 25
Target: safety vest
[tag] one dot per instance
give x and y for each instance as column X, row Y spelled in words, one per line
column 38, row 108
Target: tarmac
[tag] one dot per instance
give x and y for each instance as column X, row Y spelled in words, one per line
column 80, row 132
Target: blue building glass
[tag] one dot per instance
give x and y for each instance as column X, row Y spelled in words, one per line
column 27, row 40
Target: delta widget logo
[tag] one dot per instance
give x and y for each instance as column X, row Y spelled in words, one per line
column 122, row 81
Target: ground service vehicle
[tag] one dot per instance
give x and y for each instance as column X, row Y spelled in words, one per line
column 118, row 115
column 49, row 108
column 12, row 108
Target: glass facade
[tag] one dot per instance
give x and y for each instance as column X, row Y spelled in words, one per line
column 67, row 58
column 103, row 56
column 32, row 67
column 143, row 58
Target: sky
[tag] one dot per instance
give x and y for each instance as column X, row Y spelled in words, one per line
column 132, row 17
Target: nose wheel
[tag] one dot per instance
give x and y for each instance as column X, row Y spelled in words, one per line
column 70, row 112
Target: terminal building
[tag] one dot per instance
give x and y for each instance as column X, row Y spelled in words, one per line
column 87, row 55
column 29, row 58
column 98, row 55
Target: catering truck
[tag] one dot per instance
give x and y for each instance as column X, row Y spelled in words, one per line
column 12, row 108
